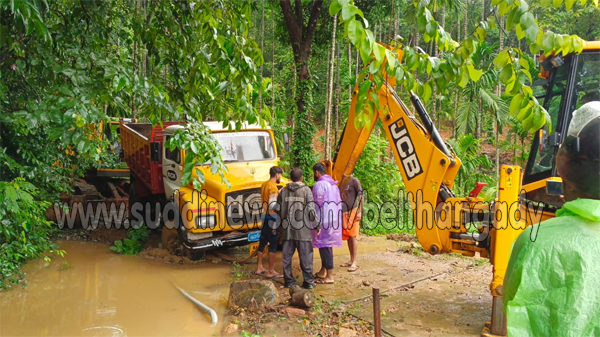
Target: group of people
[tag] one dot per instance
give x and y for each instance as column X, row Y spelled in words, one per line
column 307, row 219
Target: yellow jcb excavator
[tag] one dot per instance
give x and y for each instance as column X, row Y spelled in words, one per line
column 429, row 168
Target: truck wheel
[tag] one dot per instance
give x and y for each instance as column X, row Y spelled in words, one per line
column 195, row 255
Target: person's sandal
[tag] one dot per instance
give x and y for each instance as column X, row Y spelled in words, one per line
column 322, row 281
column 352, row 268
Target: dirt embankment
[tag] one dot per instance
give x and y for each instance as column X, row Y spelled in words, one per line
column 421, row 295
column 153, row 249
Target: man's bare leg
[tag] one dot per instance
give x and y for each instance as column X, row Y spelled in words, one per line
column 271, row 272
column 259, row 267
column 329, row 277
column 353, row 247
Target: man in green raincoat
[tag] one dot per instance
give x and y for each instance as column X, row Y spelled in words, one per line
column 552, row 284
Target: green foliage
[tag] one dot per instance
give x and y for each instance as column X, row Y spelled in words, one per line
column 379, row 177
column 458, row 67
column 202, row 148
column 134, row 244
column 67, row 66
column 106, row 58
column 302, row 151
column 377, row 171
column 24, row 231
column 248, row 334
column 474, row 166
column 237, row 270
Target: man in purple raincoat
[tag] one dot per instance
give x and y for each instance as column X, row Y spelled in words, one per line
column 326, row 195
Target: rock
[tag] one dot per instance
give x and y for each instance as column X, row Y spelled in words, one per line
column 231, row 328
column 347, row 332
column 253, row 292
column 294, row 311
column 366, row 283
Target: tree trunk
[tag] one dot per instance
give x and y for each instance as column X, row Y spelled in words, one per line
column 439, row 120
column 466, row 23
column 478, row 129
column 254, row 25
column 262, row 47
column 294, row 91
column 338, row 94
column 356, row 68
column 330, row 93
column 135, row 58
column 499, row 93
column 456, row 95
column 516, row 142
column 301, row 38
column 417, row 38
column 302, row 298
column 482, row 10
column 273, row 64
column 389, row 39
column 349, row 70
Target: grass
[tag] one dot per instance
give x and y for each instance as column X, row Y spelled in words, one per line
column 237, row 270
column 380, row 229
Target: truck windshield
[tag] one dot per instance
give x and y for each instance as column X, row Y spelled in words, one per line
column 245, row 146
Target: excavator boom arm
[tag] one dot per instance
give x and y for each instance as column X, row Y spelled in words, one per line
column 427, row 167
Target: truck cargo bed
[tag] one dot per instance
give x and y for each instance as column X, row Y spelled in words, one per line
column 135, row 140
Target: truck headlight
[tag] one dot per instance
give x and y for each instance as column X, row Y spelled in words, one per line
column 206, row 221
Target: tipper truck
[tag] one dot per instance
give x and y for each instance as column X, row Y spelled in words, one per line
column 218, row 216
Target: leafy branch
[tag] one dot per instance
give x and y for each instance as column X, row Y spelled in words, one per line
column 458, row 67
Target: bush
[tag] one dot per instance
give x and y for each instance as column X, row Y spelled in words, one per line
column 134, row 244
column 380, row 178
column 24, row 230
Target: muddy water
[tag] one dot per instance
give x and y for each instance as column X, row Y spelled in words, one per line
column 93, row 291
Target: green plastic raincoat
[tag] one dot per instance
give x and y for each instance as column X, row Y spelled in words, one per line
column 552, row 284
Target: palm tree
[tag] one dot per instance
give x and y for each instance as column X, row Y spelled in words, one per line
column 479, row 96
column 471, row 171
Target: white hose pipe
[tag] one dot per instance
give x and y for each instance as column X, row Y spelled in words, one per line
column 213, row 314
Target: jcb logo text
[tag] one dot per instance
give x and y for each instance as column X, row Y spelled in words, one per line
column 405, row 149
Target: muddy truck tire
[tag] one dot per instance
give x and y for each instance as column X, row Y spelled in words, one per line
column 169, row 239
column 194, row 255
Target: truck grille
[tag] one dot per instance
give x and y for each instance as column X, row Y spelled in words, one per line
column 243, row 207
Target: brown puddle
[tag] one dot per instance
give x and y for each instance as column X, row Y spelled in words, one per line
column 93, row 291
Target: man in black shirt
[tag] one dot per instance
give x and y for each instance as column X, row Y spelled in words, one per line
column 352, row 198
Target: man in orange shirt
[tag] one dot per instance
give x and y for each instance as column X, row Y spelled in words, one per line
column 269, row 233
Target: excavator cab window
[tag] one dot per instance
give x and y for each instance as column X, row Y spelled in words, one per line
column 541, row 157
column 569, row 86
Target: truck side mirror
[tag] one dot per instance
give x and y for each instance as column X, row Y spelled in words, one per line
column 154, row 151
column 554, row 187
column 286, row 142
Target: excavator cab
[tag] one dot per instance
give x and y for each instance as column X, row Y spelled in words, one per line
column 570, row 82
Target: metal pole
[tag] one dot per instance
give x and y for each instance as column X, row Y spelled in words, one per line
column 376, row 312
